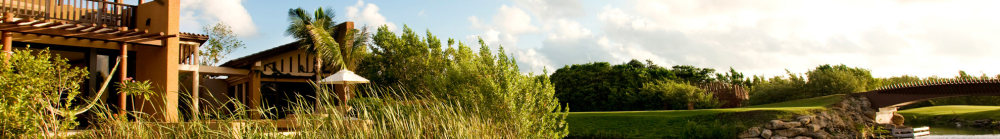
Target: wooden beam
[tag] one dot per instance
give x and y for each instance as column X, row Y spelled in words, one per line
column 77, row 27
column 91, row 28
column 104, row 30
column 84, row 31
column 284, row 80
column 212, row 70
column 63, row 26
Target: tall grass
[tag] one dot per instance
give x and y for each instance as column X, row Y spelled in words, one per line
column 392, row 115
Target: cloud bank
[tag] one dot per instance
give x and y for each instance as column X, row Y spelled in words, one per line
column 890, row 37
column 198, row 13
column 368, row 14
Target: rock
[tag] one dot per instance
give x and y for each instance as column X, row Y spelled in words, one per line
column 814, row 127
column 897, row 119
column 752, row 132
column 773, row 124
column 818, row 135
column 802, row 137
column 779, row 137
column 792, row 124
column 778, row 124
column 804, row 119
column 766, row 133
column 791, row 132
column 753, row 138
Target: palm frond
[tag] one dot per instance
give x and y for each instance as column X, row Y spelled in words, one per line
column 324, row 44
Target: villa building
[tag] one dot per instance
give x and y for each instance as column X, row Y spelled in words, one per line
column 94, row 34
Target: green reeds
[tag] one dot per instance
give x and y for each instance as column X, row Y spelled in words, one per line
column 392, row 114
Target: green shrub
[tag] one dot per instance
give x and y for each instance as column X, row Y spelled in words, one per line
column 822, row 81
column 672, row 95
column 32, row 82
column 480, row 82
column 838, row 79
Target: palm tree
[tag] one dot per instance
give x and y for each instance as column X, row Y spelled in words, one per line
column 313, row 33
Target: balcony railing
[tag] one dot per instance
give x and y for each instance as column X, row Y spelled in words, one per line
column 95, row 12
column 188, row 54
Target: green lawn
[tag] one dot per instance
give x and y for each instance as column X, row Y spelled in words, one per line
column 933, row 114
column 704, row 123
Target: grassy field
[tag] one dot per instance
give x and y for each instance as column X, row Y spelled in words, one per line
column 938, row 114
column 704, row 123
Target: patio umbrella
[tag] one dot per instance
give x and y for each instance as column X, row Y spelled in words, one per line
column 340, row 80
column 343, row 76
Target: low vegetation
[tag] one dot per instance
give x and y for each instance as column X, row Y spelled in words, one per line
column 943, row 115
column 702, row 123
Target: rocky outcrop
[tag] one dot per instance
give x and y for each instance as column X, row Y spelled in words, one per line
column 840, row 120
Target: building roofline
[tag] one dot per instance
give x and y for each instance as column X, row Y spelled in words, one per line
column 246, row 61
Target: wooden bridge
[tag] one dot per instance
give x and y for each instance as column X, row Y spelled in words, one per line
column 887, row 99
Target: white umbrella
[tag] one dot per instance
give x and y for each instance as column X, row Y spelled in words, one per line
column 343, row 76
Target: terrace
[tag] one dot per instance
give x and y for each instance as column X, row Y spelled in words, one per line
column 81, row 19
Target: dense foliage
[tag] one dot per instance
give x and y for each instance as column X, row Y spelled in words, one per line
column 600, row 86
column 31, row 83
column 670, row 95
column 484, row 82
column 821, row 81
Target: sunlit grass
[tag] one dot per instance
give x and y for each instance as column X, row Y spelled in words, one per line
column 702, row 123
column 932, row 114
column 392, row 116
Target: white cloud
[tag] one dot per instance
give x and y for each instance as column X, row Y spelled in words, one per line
column 513, row 20
column 552, row 9
column 889, row 37
column 368, row 14
column 196, row 13
column 567, row 29
column 924, row 38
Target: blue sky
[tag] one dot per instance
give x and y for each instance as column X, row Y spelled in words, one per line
column 889, row 37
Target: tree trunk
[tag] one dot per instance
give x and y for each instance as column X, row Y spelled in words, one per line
column 319, row 76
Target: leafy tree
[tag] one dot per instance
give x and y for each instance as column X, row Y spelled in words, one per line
column 839, row 79
column 37, row 89
column 221, row 42
column 733, row 77
column 821, row 81
column 693, row 74
column 778, row 89
column 485, row 82
column 408, row 59
column 673, row 95
column 600, row 86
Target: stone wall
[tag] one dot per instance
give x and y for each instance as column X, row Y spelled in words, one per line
column 841, row 120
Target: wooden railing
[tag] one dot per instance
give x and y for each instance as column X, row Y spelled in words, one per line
column 188, row 54
column 96, row 12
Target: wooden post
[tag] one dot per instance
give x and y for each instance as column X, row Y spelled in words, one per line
column 195, row 77
column 254, row 91
column 7, row 44
column 7, row 36
column 123, row 75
